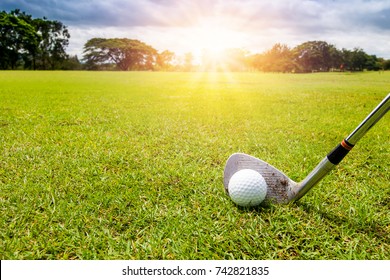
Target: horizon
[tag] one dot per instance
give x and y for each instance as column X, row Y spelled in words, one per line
column 191, row 27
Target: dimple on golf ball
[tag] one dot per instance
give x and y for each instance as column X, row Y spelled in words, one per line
column 247, row 187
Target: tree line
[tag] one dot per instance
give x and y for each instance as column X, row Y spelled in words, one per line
column 311, row 56
column 40, row 44
column 32, row 43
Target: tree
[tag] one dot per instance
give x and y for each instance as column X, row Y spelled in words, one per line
column 31, row 43
column 55, row 38
column 316, row 56
column 386, row 64
column 373, row 63
column 164, row 60
column 17, row 39
column 126, row 54
column 72, row 63
column 358, row 59
column 278, row 59
column 256, row 61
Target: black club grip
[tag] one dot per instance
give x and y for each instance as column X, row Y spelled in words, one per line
column 338, row 153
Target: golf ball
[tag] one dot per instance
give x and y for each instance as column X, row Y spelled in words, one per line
column 247, row 187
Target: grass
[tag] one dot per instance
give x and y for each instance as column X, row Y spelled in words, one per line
column 109, row 165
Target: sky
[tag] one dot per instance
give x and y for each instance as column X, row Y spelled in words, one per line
column 191, row 26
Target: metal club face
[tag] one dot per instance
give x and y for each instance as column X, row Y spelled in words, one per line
column 279, row 186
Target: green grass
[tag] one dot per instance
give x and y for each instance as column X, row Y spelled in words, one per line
column 109, row 165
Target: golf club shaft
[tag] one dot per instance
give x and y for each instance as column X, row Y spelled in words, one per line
column 342, row 149
column 370, row 121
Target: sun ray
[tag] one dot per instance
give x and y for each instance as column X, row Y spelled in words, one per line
column 211, row 38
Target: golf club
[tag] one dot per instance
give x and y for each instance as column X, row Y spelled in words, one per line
column 280, row 188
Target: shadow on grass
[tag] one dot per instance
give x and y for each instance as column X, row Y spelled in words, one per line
column 369, row 228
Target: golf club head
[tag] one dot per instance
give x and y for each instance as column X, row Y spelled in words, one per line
column 279, row 186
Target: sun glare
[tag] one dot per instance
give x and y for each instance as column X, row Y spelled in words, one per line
column 210, row 38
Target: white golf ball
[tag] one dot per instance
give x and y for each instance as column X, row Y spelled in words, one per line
column 247, row 187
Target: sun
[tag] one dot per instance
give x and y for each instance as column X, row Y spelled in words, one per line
column 211, row 37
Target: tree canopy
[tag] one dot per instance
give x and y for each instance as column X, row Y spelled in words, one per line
column 314, row 56
column 31, row 43
column 126, row 54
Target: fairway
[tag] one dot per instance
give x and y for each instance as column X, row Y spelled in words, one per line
column 129, row 165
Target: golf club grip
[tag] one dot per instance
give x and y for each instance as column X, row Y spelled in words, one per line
column 338, row 153
column 342, row 149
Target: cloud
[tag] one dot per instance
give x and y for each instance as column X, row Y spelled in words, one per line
column 82, row 12
column 302, row 15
